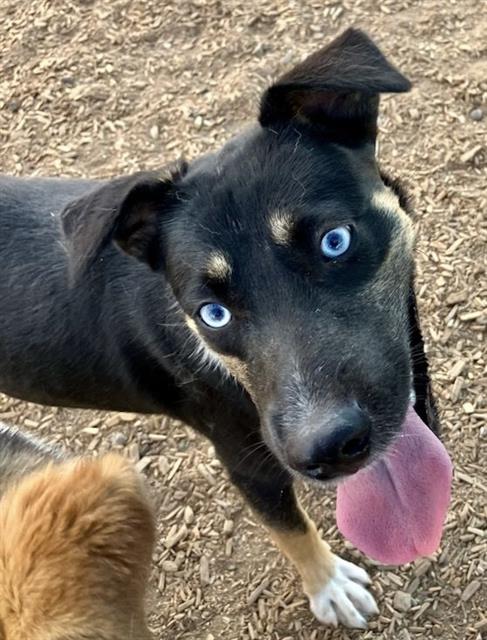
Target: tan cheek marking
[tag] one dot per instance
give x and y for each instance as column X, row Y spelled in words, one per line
column 218, row 266
column 309, row 553
column 238, row 369
column 195, row 330
column 192, row 325
column 281, row 226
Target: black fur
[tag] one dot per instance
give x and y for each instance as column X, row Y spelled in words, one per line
column 83, row 324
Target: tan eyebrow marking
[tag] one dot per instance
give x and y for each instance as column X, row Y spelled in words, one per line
column 386, row 201
column 400, row 250
column 218, row 266
column 281, row 225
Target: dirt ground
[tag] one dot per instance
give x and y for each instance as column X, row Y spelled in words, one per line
column 97, row 88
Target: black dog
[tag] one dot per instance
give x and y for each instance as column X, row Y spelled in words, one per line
column 263, row 294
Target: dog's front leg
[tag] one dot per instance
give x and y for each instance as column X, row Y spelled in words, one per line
column 336, row 588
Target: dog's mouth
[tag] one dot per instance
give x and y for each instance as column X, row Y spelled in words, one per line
column 391, row 504
column 394, row 509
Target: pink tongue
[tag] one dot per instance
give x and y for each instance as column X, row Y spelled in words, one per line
column 394, row 511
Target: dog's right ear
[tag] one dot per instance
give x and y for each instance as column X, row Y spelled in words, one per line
column 126, row 211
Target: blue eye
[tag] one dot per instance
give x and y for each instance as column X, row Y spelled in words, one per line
column 215, row 315
column 336, row 242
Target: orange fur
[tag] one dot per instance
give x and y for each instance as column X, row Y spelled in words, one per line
column 76, row 542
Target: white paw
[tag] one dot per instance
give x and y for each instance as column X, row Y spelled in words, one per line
column 344, row 598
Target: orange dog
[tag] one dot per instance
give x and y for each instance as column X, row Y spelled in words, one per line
column 76, row 539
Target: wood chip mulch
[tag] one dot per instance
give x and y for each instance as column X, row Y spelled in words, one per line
column 97, row 88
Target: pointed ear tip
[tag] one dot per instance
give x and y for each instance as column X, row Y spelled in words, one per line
column 402, row 84
column 354, row 36
column 355, row 33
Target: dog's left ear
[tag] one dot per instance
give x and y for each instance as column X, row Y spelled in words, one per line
column 335, row 91
column 125, row 210
column 424, row 405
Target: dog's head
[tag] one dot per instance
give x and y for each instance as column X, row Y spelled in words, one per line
column 291, row 260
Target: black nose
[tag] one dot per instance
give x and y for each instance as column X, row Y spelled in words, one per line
column 341, row 448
